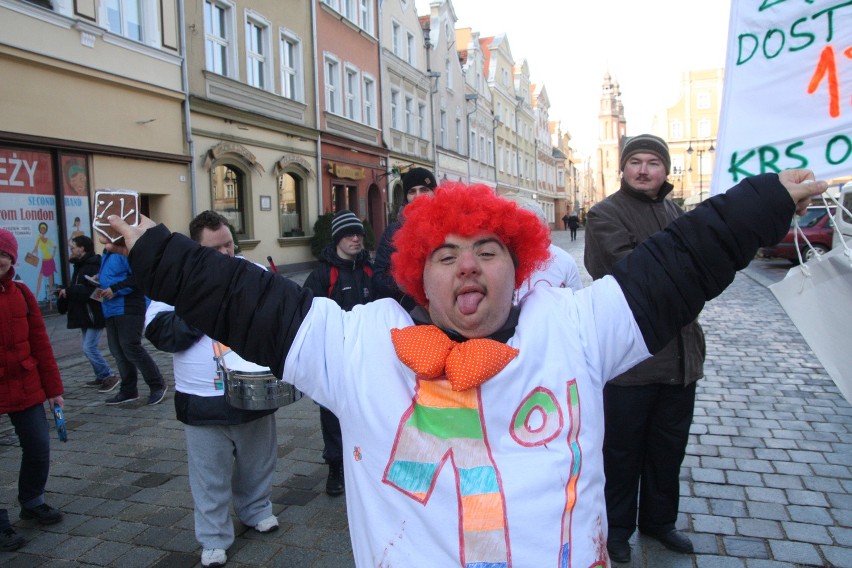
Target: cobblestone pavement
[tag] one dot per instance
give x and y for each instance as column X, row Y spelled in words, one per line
column 767, row 481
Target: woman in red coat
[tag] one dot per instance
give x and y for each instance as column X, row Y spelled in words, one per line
column 28, row 377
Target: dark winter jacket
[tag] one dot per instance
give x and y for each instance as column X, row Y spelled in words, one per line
column 573, row 222
column 28, row 371
column 354, row 284
column 383, row 283
column 128, row 300
column 83, row 312
column 665, row 281
column 614, row 228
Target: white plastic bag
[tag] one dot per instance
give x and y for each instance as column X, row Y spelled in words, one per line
column 817, row 296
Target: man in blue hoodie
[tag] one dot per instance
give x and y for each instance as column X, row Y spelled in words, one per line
column 124, row 309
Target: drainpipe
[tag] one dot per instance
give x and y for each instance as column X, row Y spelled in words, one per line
column 433, row 88
column 184, row 78
column 317, row 106
column 475, row 98
column 386, row 194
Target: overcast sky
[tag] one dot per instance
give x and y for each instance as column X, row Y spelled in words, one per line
column 569, row 44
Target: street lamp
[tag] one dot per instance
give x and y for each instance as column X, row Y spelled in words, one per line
column 700, row 151
column 677, row 176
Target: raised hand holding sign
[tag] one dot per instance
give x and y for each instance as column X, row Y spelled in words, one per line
column 123, row 203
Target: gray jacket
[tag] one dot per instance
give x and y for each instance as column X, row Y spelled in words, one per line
column 614, row 227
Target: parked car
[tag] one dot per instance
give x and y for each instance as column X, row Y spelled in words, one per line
column 841, row 219
column 817, row 225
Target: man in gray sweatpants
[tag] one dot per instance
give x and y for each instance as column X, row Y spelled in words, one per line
column 231, row 452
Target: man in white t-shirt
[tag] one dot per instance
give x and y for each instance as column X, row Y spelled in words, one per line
column 472, row 428
column 231, row 452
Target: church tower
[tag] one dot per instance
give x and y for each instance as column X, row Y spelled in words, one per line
column 612, row 127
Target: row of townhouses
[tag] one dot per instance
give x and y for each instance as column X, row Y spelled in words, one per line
column 270, row 112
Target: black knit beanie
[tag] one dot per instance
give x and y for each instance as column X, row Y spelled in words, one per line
column 418, row 176
column 345, row 223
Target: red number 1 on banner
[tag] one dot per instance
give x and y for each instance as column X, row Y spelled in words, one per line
column 827, row 68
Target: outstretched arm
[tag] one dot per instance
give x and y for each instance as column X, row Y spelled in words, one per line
column 255, row 312
column 668, row 278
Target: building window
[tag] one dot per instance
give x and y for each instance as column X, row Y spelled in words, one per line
column 703, row 101
column 482, row 156
column 490, row 157
column 257, row 53
column 291, row 67
column 332, row 86
column 290, row 203
column 333, row 3
column 347, row 8
column 228, row 183
column 395, row 109
column 472, row 144
column 444, row 133
column 704, row 128
column 448, row 74
column 366, row 12
column 412, row 48
column 352, row 85
column 421, row 118
column 459, row 137
column 676, row 130
column 124, row 17
column 369, row 101
column 218, row 34
column 409, row 115
column 396, row 40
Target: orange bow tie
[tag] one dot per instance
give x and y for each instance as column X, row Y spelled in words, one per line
column 428, row 352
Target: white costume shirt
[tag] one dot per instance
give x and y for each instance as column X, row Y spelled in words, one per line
column 560, row 272
column 506, row 474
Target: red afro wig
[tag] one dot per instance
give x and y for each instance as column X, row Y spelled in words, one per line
column 465, row 211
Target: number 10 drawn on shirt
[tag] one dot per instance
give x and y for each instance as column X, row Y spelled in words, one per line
column 443, row 425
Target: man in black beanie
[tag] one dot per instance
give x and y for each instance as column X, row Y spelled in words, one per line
column 415, row 182
column 643, row 454
column 344, row 276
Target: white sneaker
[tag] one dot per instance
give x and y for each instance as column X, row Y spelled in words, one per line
column 267, row 525
column 211, row 557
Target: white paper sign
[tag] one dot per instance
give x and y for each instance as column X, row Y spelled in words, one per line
column 787, row 99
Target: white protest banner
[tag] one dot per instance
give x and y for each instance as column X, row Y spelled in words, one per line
column 787, row 98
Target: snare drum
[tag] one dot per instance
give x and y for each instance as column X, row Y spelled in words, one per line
column 251, row 387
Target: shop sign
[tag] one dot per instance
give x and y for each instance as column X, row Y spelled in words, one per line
column 346, row 172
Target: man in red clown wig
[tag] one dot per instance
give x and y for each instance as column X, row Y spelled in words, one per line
column 472, row 429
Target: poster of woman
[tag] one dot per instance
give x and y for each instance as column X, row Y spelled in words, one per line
column 75, row 190
column 47, row 250
column 28, row 208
